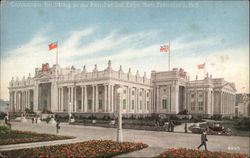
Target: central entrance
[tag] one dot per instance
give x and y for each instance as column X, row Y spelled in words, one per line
column 44, row 99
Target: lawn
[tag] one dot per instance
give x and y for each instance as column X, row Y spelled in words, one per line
column 92, row 148
column 8, row 136
column 190, row 153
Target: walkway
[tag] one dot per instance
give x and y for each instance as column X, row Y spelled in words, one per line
column 157, row 141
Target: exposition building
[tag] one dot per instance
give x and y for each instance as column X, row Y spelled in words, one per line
column 63, row 90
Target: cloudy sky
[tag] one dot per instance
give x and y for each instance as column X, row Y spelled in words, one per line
column 129, row 34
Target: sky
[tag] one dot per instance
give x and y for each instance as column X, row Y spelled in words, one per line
column 129, row 34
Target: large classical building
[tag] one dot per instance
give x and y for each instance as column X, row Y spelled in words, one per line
column 73, row 90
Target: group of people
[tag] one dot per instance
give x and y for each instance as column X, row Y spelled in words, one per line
column 34, row 119
column 170, row 126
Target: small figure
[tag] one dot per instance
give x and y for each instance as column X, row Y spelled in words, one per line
column 171, row 126
column 6, row 120
column 203, row 140
column 36, row 119
column 57, row 126
column 186, row 130
column 32, row 120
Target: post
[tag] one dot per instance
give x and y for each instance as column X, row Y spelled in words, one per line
column 119, row 129
column 57, row 53
column 169, row 57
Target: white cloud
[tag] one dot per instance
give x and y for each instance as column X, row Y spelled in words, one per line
column 26, row 58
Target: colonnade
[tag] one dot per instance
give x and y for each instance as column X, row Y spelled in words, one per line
column 20, row 100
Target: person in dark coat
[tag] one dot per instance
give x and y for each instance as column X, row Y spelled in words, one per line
column 203, row 140
column 172, row 126
column 186, row 129
column 57, row 126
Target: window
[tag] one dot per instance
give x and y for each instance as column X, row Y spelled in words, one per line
column 133, row 105
column 147, row 94
column 100, row 92
column 140, row 93
column 124, row 104
column 89, row 104
column 133, row 92
column 140, row 107
column 164, row 103
column 201, row 95
column 164, row 90
column 192, row 106
column 100, row 104
column 124, row 91
column 200, row 106
column 147, row 105
column 192, row 95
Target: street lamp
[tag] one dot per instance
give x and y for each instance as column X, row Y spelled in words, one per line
column 119, row 129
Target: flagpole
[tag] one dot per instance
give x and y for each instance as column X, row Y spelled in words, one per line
column 57, row 53
column 169, row 58
column 205, row 70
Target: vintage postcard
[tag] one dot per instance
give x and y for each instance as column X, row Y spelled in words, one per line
column 124, row 79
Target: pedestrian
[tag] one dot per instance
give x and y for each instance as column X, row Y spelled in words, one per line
column 36, row 119
column 172, row 126
column 185, row 128
column 32, row 119
column 6, row 120
column 57, row 126
column 169, row 125
column 203, row 140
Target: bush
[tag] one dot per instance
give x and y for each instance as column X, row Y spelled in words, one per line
column 243, row 124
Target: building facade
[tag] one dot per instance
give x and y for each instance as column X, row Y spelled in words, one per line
column 73, row 90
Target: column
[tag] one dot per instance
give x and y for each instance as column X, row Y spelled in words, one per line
column 97, row 99
column 85, row 99
column 69, row 100
column 59, row 99
column 26, row 98
column 23, row 106
column 105, row 97
column 93, row 97
column 135, row 105
column 62, row 100
column 129, row 99
column 72, row 98
column 75, row 101
column 157, row 98
column 82, row 98
column 18, row 100
column 108, row 96
column 112, row 98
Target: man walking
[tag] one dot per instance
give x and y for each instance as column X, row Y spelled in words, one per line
column 203, row 140
column 57, row 126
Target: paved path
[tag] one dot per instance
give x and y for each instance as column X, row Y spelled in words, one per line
column 157, row 141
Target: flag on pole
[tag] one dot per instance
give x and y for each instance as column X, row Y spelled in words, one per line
column 52, row 45
column 201, row 66
column 164, row 48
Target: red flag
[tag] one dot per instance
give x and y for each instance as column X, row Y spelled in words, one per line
column 202, row 66
column 52, row 45
column 164, row 48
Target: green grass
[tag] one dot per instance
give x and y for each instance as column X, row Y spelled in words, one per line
column 8, row 136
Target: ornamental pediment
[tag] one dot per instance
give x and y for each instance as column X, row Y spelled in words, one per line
column 230, row 86
column 43, row 76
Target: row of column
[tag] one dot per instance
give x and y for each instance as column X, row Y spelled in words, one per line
column 227, row 103
column 19, row 100
column 108, row 100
